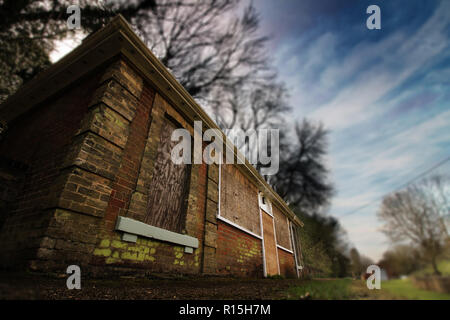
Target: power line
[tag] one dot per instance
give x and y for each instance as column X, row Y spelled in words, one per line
column 400, row 187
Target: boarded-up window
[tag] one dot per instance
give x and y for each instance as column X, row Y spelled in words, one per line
column 239, row 199
column 270, row 247
column 281, row 228
column 169, row 188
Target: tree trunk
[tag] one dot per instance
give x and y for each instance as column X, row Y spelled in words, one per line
column 435, row 267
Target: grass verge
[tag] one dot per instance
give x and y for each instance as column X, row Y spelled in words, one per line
column 322, row 289
column 404, row 289
column 347, row 289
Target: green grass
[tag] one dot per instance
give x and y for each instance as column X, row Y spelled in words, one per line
column 404, row 289
column 344, row 289
column 443, row 266
column 337, row 289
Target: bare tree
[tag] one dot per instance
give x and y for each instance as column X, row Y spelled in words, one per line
column 207, row 45
column 401, row 260
column 416, row 215
column 252, row 106
column 29, row 29
column 303, row 177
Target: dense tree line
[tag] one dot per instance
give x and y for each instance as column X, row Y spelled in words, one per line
column 324, row 246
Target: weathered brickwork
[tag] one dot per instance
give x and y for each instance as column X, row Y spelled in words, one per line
column 149, row 255
column 98, row 173
column 287, row 264
column 39, row 141
column 210, row 227
column 238, row 253
column 152, row 255
column 11, row 183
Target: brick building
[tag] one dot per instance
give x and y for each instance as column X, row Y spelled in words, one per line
column 85, row 176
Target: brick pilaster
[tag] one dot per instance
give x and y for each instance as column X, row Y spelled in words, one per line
column 210, row 238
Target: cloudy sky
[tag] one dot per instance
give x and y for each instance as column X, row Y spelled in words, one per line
column 384, row 94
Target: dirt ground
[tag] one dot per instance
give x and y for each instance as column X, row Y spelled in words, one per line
column 30, row 286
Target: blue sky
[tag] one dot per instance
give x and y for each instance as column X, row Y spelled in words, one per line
column 383, row 94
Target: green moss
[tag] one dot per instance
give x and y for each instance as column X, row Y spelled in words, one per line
column 118, row 244
column 104, row 243
column 111, row 260
column 179, row 255
column 102, row 252
column 129, row 256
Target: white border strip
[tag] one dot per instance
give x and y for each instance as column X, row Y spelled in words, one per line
column 262, row 244
column 294, row 246
column 239, row 227
column 285, row 249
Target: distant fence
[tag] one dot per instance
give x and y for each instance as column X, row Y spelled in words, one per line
column 433, row 283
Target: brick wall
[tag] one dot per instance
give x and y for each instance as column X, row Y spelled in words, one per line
column 38, row 141
column 94, row 166
column 287, row 264
column 238, row 253
column 90, row 154
column 86, row 157
column 151, row 255
column 281, row 228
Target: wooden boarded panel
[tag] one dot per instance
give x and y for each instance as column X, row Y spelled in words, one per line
column 167, row 201
column 281, row 228
column 239, row 199
column 270, row 248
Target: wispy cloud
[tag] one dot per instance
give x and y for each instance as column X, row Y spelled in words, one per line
column 385, row 96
